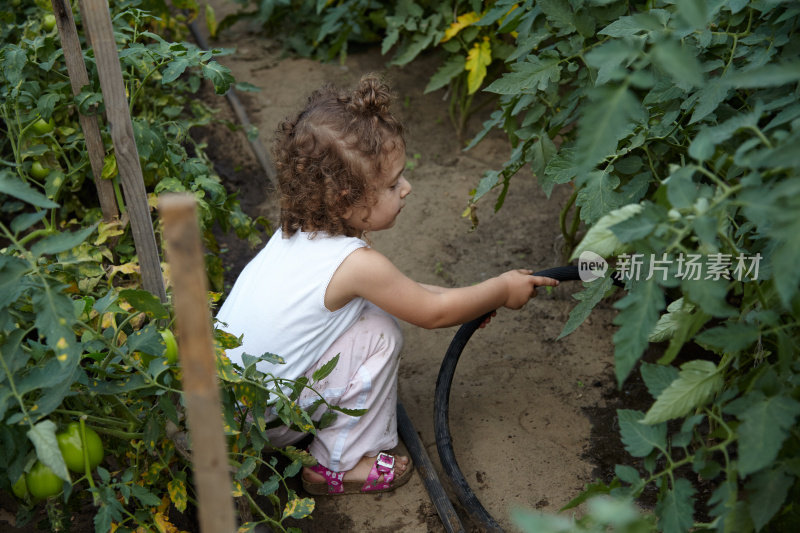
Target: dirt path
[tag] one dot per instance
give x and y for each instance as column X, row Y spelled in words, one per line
column 521, row 400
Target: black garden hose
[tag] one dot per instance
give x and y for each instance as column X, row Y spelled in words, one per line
column 444, row 442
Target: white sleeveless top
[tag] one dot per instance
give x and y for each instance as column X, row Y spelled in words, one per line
column 278, row 302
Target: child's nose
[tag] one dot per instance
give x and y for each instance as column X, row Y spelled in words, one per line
column 405, row 190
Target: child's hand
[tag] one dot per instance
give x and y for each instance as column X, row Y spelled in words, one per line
column 488, row 319
column 521, row 286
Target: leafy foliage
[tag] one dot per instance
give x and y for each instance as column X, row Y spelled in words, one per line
column 676, row 126
column 79, row 339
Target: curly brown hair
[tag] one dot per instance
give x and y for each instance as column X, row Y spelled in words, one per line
column 330, row 156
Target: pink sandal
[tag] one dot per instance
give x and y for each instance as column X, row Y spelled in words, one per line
column 334, row 483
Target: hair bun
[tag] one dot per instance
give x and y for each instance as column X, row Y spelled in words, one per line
column 372, row 96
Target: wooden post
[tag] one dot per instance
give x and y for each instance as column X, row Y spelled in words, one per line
column 184, row 251
column 97, row 21
column 78, row 78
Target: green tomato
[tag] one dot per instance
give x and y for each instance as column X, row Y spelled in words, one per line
column 49, row 22
column 20, row 488
column 38, row 170
column 71, row 446
column 171, row 353
column 42, row 482
column 43, row 127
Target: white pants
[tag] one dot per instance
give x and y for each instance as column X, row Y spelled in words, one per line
column 364, row 378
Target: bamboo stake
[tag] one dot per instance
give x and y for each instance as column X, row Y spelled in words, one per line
column 78, row 78
column 201, row 393
column 97, row 20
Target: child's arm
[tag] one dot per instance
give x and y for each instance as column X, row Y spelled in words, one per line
column 370, row 275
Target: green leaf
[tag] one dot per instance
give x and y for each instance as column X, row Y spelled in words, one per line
column 600, row 239
column 591, row 490
column 598, row 196
column 26, row 220
column 528, row 520
column 529, row 76
column 119, row 386
column 767, row 493
column 765, row 425
column 145, row 497
column 639, row 314
column 145, row 301
column 147, row 340
column 269, row 486
column 451, row 68
column 672, row 321
column 679, row 62
column 731, row 337
column 612, row 58
column 14, row 186
column 628, row 474
column 707, row 139
column 175, row 67
column 709, row 98
column 558, row 12
column 292, row 468
column 681, row 189
column 647, row 22
column 698, row 381
column 657, row 377
column 219, row 75
column 247, row 467
column 694, row 13
column 61, row 242
column 771, row 75
column 709, row 295
column 640, row 439
column 43, row 437
column 675, row 509
column 606, row 118
column 587, row 299
column 325, row 370
column 560, row 169
column 53, row 394
column 54, row 320
column 298, row 508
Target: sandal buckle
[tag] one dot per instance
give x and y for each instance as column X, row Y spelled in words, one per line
column 385, row 460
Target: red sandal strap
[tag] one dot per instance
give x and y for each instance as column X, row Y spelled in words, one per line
column 333, row 479
column 383, row 466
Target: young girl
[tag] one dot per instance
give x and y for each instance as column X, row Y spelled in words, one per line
column 318, row 289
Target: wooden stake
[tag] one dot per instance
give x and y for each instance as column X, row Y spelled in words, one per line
column 196, row 352
column 97, row 20
column 78, row 78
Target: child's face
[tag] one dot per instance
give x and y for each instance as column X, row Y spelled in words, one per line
column 389, row 196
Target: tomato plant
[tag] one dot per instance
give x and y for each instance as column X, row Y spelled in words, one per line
column 675, row 126
column 75, row 328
